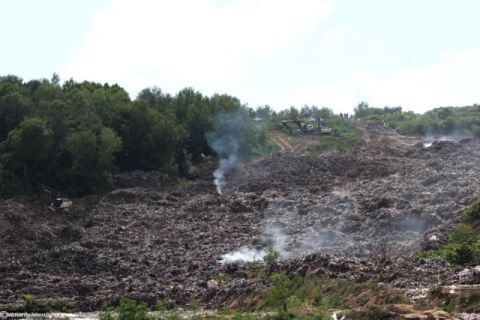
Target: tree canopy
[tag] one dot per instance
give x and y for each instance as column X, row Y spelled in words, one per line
column 74, row 136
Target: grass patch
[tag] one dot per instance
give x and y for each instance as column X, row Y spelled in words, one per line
column 344, row 131
column 342, row 138
column 326, row 294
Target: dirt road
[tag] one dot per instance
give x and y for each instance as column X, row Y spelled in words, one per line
column 281, row 141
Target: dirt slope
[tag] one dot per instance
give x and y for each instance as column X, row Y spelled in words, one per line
column 281, row 141
column 378, row 136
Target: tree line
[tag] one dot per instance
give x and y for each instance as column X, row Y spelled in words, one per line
column 75, row 136
column 460, row 121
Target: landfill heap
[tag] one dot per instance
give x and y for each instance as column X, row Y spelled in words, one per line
column 362, row 215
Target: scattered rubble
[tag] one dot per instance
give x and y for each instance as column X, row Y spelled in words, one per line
column 359, row 216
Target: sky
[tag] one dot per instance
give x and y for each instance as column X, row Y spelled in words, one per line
column 328, row 53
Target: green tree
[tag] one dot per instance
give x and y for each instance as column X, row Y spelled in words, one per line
column 279, row 293
column 150, row 139
column 28, row 145
column 13, row 108
column 198, row 123
column 92, row 158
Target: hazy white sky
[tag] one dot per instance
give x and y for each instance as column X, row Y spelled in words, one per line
column 333, row 53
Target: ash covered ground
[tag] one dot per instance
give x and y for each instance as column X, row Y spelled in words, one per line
column 335, row 216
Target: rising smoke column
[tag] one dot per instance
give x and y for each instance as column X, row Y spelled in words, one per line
column 224, row 166
column 230, row 140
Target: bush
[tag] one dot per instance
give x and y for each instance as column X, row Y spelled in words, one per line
column 30, row 303
column 271, row 257
column 128, row 309
column 463, row 233
column 459, row 253
column 279, row 293
column 106, row 312
column 472, row 213
column 463, row 246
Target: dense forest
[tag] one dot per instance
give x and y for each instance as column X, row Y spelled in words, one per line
column 75, row 136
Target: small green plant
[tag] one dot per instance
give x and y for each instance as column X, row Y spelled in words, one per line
column 472, row 213
column 336, row 302
column 106, row 312
column 318, row 299
column 30, row 303
column 256, row 269
column 128, row 309
column 293, row 302
column 60, row 305
column 278, row 294
column 173, row 314
column 271, row 257
column 161, row 306
column 194, row 308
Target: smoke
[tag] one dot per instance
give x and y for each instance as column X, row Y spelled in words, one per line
column 224, row 166
column 276, row 239
column 230, row 139
column 243, row 255
column 454, row 134
column 430, row 139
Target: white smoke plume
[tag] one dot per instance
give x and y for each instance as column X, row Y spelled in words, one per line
column 224, row 166
column 229, row 139
column 430, row 139
column 276, row 238
column 243, row 255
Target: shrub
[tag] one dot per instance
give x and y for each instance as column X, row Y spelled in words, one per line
column 463, row 246
column 128, row 309
column 30, row 303
column 160, row 306
column 463, row 233
column 106, row 312
column 173, row 314
column 279, row 291
column 459, row 253
column 472, row 213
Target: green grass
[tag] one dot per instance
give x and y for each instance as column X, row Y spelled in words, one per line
column 342, row 138
column 344, row 131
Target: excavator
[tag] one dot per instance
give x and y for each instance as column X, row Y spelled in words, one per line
column 58, row 202
column 305, row 128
